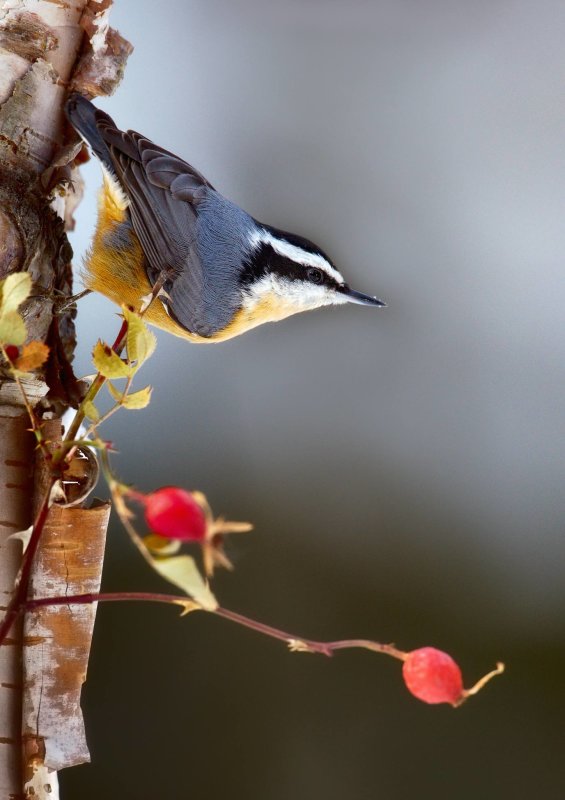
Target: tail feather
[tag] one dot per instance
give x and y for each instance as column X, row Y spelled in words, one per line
column 85, row 118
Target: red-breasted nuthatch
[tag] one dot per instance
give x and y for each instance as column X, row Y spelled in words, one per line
column 163, row 226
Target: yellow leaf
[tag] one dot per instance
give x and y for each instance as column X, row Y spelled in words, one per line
column 138, row 399
column 108, row 363
column 182, row 572
column 91, row 411
column 32, row 356
column 141, row 342
column 116, row 394
column 15, row 289
column 134, row 400
column 12, row 328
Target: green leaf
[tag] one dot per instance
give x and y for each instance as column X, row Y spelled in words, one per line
column 141, row 342
column 182, row 572
column 12, row 328
column 108, row 363
column 15, row 289
column 91, row 411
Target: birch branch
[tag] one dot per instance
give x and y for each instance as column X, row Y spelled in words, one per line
column 15, row 515
column 45, row 48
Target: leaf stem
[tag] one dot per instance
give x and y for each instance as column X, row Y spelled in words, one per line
column 110, row 413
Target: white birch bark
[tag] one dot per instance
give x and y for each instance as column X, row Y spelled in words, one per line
column 46, row 48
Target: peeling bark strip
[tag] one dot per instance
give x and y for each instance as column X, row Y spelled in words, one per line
column 16, row 458
column 45, row 46
column 57, row 639
column 56, row 646
column 25, row 35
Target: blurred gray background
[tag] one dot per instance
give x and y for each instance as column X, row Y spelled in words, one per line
column 404, row 467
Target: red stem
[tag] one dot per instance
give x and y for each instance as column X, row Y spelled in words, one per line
column 18, row 599
column 295, row 642
column 93, row 390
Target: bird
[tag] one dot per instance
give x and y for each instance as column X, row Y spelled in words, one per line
column 164, row 232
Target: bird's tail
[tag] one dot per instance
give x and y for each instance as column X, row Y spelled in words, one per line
column 85, row 118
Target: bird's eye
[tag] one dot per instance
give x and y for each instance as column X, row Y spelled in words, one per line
column 315, row 275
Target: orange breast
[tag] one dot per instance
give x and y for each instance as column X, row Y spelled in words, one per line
column 119, row 274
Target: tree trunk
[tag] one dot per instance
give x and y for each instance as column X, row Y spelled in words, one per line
column 15, row 488
column 46, row 48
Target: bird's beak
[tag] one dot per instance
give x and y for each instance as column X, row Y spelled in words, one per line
column 359, row 298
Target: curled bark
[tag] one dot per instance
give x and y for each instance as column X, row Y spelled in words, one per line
column 57, row 640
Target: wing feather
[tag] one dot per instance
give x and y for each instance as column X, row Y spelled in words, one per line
column 164, row 193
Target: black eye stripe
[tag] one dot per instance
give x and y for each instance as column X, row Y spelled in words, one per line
column 266, row 260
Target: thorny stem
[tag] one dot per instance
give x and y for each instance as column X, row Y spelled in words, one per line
column 93, row 390
column 296, row 644
column 100, row 380
column 65, row 451
column 35, row 426
column 17, row 601
column 110, row 413
column 120, row 508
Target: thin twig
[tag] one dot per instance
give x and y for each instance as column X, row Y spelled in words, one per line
column 100, row 380
column 66, row 451
column 110, row 413
column 295, row 643
column 35, row 426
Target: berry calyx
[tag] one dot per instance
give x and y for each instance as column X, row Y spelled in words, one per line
column 175, row 514
column 433, row 676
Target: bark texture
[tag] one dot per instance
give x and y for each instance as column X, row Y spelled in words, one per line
column 57, row 639
column 46, row 48
column 15, row 515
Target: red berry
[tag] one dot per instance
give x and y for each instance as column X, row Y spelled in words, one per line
column 433, row 676
column 175, row 514
column 12, row 351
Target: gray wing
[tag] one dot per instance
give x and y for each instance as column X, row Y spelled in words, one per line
column 164, row 193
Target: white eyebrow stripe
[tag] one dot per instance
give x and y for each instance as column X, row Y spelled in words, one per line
column 294, row 252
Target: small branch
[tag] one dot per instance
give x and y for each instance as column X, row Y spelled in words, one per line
column 107, row 597
column 100, row 380
column 95, row 387
column 35, row 425
column 295, row 643
column 92, row 429
column 123, row 514
column 299, row 645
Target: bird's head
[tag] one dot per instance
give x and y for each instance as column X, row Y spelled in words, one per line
column 285, row 274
